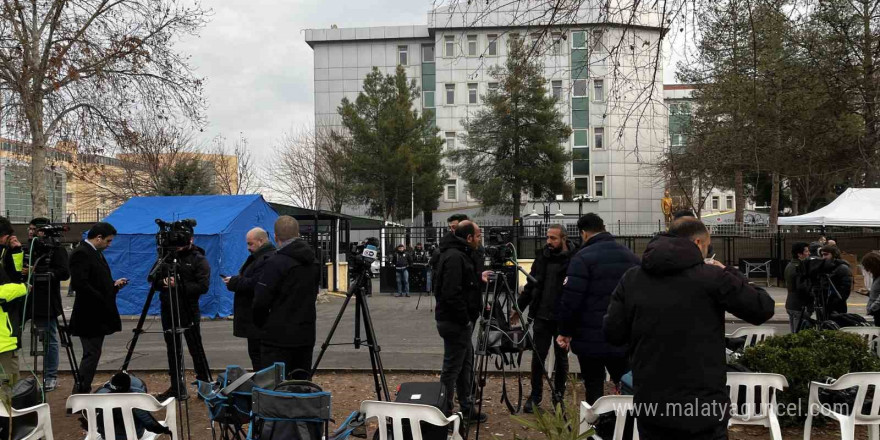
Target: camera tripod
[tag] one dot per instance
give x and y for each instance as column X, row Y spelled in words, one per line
column 361, row 313
column 41, row 334
column 820, row 305
column 499, row 299
column 166, row 266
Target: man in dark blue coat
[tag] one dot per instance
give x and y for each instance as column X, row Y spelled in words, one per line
column 592, row 276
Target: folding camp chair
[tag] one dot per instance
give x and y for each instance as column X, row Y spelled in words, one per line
column 229, row 398
column 294, row 410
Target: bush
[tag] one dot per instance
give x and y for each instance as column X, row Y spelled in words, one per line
column 806, row 356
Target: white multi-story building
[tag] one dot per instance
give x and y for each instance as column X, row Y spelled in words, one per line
column 602, row 67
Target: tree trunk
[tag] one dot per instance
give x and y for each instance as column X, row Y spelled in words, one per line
column 517, row 200
column 739, row 194
column 795, row 201
column 39, row 199
column 774, row 201
column 870, row 96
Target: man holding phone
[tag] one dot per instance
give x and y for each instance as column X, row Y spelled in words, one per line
column 94, row 313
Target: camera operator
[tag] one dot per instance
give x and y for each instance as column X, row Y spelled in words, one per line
column 798, row 299
column 45, row 307
column 841, row 278
column 261, row 249
column 540, row 297
column 94, row 314
column 670, row 311
column 420, row 258
column 11, row 292
column 871, row 263
column 192, row 281
column 284, row 300
column 458, row 290
column 452, row 222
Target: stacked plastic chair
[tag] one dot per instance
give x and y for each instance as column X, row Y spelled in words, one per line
column 229, row 398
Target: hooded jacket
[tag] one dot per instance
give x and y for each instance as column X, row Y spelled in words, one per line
column 592, row 275
column 243, row 285
column 285, row 295
column 842, row 279
column 671, row 313
column 549, row 270
column 458, row 282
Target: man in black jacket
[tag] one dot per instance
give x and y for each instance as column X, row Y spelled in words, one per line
column 47, row 270
column 540, row 297
column 284, row 300
column 192, row 281
column 797, row 300
column 458, row 307
column 94, row 314
column 243, row 284
column 401, row 260
column 671, row 313
column 592, row 275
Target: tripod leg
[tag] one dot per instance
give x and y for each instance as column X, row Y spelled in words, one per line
column 330, row 335
column 138, row 330
column 375, row 349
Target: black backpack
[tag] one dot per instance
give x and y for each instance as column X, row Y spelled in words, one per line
column 294, row 410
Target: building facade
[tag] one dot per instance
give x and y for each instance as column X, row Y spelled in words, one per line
column 614, row 108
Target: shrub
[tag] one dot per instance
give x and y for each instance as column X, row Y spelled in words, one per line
column 806, row 356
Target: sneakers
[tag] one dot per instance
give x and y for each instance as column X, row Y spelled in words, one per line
column 50, row 385
column 531, row 405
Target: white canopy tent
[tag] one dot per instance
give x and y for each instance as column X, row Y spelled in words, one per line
column 855, row 207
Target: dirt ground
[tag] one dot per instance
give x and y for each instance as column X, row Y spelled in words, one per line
column 349, row 389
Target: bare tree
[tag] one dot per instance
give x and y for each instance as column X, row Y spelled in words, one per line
column 306, row 170
column 234, row 168
column 77, row 69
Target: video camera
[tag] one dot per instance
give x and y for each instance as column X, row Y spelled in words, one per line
column 47, row 238
column 175, row 234
column 499, row 250
column 362, row 255
column 814, row 268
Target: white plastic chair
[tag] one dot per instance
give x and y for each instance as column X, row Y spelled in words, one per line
column 44, row 420
column 763, row 414
column 415, row 413
column 754, row 335
column 871, row 335
column 848, row 422
column 127, row 402
column 620, row 405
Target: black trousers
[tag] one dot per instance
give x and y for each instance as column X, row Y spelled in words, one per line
column 648, row 432
column 253, row 347
column 193, row 336
column 293, row 358
column 458, row 362
column 91, row 346
column 593, row 373
column 545, row 332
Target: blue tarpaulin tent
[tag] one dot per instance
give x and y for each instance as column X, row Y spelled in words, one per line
column 223, row 222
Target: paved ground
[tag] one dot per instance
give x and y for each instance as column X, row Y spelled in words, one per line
column 408, row 337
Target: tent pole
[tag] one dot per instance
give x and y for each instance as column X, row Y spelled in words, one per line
column 335, row 238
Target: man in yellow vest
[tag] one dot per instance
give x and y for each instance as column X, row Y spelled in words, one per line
column 11, row 287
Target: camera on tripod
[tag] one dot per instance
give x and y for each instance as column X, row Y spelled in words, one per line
column 47, row 238
column 362, row 255
column 175, row 234
column 499, row 251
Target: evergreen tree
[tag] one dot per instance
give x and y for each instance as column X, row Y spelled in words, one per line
column 391, row 149
column 514, row 144
column 187, row 176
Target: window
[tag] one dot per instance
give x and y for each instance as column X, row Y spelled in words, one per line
column 580, row 87
column 450, row 46
column 428, row 97
column 578, row 40
column 715, row 202
column 599, row 188
column 428, row 53
column 581, row 186
column 596, row 40
column 451, row 190
column 580, row 161
column 493, row 45
column 450, row 140
column 598, row 90
column 472, row 93
column 599, row 138
column 402, row 55
column 472, row 45
column 557, row 89
column 536, row 40
column 69, row 197
column 513, row 39
column 450, row 94
column 676, row 139
column 729, row 202
column 556, row 44
column 493, row 87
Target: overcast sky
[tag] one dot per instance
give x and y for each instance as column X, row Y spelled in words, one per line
column 259, row 68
